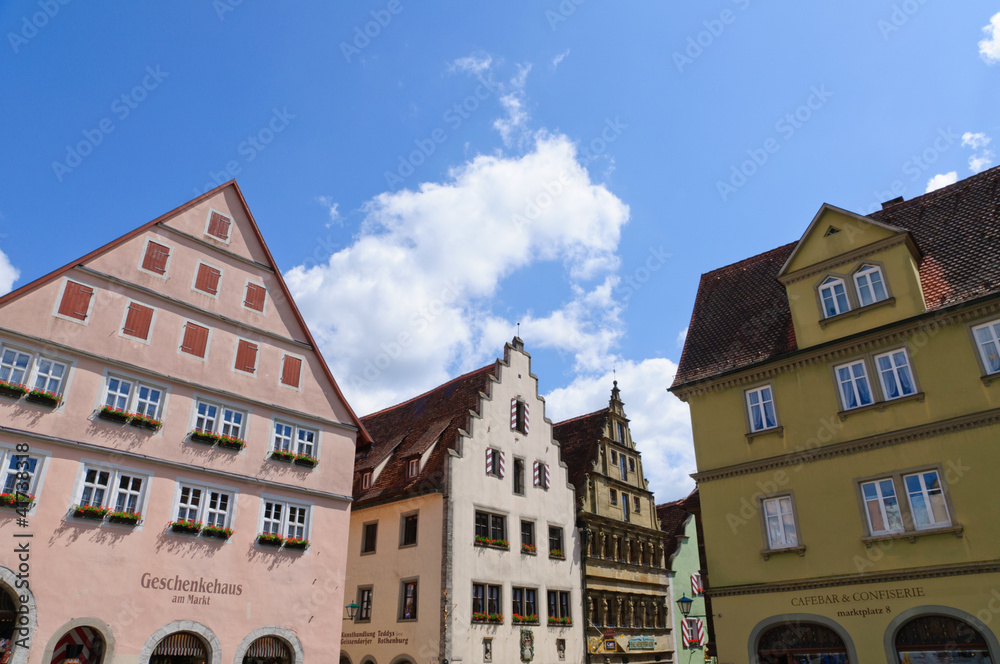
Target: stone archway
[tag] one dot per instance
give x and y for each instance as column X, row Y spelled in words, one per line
column 285, row 635
column 212, row 644
column 811, row 627
column 26, row 620
column 932, row 628
column 99, row 626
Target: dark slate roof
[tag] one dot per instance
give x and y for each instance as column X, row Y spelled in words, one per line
column 408, row 429
column 578, row 440
column 672, row 517
column 741, row 315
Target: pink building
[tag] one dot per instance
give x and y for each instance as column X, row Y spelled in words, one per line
column 188, row 452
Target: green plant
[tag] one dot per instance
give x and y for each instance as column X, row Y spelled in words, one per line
column 529, row 548
column 125, row 517
column 281, row 455
column 185, row 526
column 270, row 539
column 145, row 422
column 296, row 543
column 207, row 437
column 217, row 531
column 306, row 460
column 114, row 414
column 524, row 619
column 478, row 616
column 232, row 442
column 15, row 500
column 44, row 397
column 556, row 553
column 91, row 511
column 15, row 390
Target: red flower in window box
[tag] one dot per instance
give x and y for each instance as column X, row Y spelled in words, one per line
column 270, row 539
column 125, row 517
column 114, row 415
column 495, row 618
column 561, row 622
column 529, row 620
column 16, row 500
column 232, row 443
column 94, row 512
column 217, row 531
column 296, row 543
column 12, row 390
column 530, row 549
column 281, row 455
column 185, row 526
column 306, row 460
column 144, row 422
column 556, row 553
column 44, row 398
column 206, row 437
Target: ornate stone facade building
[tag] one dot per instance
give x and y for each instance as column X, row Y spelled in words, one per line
column 625, row 578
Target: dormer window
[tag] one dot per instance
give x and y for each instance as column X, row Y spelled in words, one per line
column 412, row 467
column 834, row 297
column 366, row 480
column 870, row 284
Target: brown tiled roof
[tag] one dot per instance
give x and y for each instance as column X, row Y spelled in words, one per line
column 741, row 315
column 408, row 429
column 578, row 440
column 672, row 518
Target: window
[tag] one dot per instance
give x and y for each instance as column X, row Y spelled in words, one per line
column 20, row 473
column 485, row 600
column 369, row 535
column 988, row 341
column 855, row 390
column 882, row 507
column 195, row 340
column 518, row 415
column 156, row 257
column 519, row 476
column 635, row 504
column 895, row 375
column 232, row 422
column 491, row 527
column 926, row 500
column 631, row 465
column 128, row 395
column 626, row 505
column 556, row 541
column 927, row 505
column 220, row 418
column 623, row 467
column 118, row 489
column 524, row 602
column 306, row 441
column 494, row 462
column 412, row 467
column 246, row 356
column 291, row 369
column 218, row 225
column 760, row 408
column 408, row 600
column 366, row 480
column 207, row 279
column 621, row 433
column 211, row 506
column 779, row 521
column 76, row 300
column 254, row 298
column 297, row 440
column 408, row 530
column 285, row 519
column 559, row 605
column 50, row 375
column 834, row 297
column 364, row 604
column 614, row 458
column 528, row 533
column 693, row 632
column 613, row 494
column 541, row 475
column 870, row 285
column 14, row 366
column 18, row 366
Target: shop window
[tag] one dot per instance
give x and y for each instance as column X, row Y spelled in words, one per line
column 937, row 638
column 801, row 642
column 268, row 650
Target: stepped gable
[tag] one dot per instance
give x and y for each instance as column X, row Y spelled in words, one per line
column 741, row 315
column 578, row 439
column 409, row 429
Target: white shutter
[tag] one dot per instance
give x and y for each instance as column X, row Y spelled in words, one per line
column 546, row 479
column 526, row 417
column 696, row 587
column 538, row 473
column 489, row 461
column 503, row 469
column 513, row 413
column 700, row 631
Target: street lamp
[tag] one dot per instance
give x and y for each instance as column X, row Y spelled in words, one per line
column 684, row 604
column 352, row 610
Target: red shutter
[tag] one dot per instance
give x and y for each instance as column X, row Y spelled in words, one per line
column 503, row 468
column 291, row 370
column 195, row 340
column 513, row 413
column 246, row 356
column 255, row 297
column 207, row 279
column 525, row 406
column 155, row 259
column 218, row 225
column 547, row 479
column 538, row 473
column 75, row 300
column 137, row 321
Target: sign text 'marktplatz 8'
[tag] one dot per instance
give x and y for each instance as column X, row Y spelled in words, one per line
column 199, row 585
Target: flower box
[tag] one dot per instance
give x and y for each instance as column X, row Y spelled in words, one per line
column 182, row 526
column 492, row 618
column 206, row 437
column 217, row 531
column 557, row 553
column 231, row 443
column 495, row 543
column 296, row 543
column 524, row 620
column 16, row 500
column 125, row 518
column 560, row 622
column 91, row 512
column 529, row 549
column 12, row 390
column 270, row 539
column 306, row 460
column 44, row 398
column 114, row 415
column 281, row 455
column 143, row 422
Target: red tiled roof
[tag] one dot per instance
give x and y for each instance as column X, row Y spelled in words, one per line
column 741, row 315
column 672, row 518
column 578, row 440
column 408, row 429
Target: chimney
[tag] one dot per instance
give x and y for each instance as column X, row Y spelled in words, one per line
column 898, row 199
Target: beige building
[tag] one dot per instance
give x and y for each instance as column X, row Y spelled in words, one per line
column 463, row 545
column 625, row 579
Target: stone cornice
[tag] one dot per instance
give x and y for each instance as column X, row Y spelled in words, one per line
column 961, row 423
column 913, row 574
column 850, row 257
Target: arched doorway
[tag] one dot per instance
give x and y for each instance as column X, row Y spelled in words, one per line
column 80, row 645
column 938, row 638
column 268, row 650
column 801, row 643
column 8, row 621
column 180, row 648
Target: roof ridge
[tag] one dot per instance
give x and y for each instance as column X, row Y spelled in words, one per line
column 943, row 192
column 492, row 365
column 580, row 417
column 750, row 258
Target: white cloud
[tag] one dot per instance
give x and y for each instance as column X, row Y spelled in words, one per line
column 989, row 48
column 978, row 141
column 471, row 64
column 333, row 209
column 513, row 127
column 682, row 337
column 405, row 307
column 559, row 58
column 975, row 141
column 8, row 274
column 980, row 162
column 660, row 422
column 941, row 180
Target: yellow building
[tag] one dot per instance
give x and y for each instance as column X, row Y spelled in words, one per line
column 846, row 415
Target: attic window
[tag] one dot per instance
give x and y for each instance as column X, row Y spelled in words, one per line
column 218, row 226
column 412, row 467
column 831, row 231
column 366, row 480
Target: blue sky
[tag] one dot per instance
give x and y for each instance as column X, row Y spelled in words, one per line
column 428, row 175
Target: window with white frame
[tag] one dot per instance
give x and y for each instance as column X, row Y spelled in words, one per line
column 132, row 396
column 294, row 439
column 34, row 371
column 232, row 422
column 285, row 519
column 15, row 366
column 987, row 341
column 927, row 501
column 20, row 472
column 306, row 440
column 118, row 489
column 927, row 505
column 882, row 507
column 779, row 521
column 412, row 467
column 833, row 295
column 895, row 375
column 870, row 285
column 760, row 409
column 220, row 419
column 855, row 390
column 50, row 375
column 211, row 506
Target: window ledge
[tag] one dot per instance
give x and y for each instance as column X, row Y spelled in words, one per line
column 765, row 432
column 767, row 553
column 880, row 405
column 989, row 378
column 912, row 535
column 854, row 313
